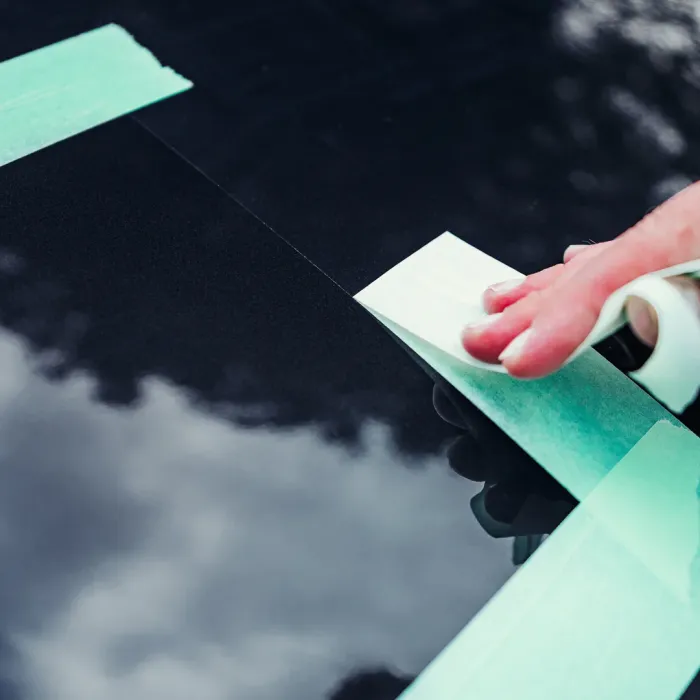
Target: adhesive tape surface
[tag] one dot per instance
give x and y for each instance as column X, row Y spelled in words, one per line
column 437, row 290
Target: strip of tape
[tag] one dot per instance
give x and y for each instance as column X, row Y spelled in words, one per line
column 608, row 607
column 605, row 608
column 437, row 290
column 577, row 423
column 58, row 91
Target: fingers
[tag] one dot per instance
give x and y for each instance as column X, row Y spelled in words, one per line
column 499, row 296
column 512, row 305
column 643, row 321
column 536, row 334
column 578, row 251
column 552, row 337
column 573, row 250
column 487, row 339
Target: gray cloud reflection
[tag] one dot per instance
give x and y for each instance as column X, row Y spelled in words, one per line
column 161, row 552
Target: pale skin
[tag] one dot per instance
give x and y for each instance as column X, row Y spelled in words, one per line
column 535, row 324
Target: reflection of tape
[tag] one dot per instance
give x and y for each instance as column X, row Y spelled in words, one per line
column 607, row 607
column 56, row 92
column 436, row 291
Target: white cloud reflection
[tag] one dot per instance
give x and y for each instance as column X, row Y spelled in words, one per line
column 159, row 552
column 667, row 32
column 648, row 121
column 665, row 28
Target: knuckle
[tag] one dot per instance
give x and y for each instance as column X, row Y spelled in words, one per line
column 525, row 307
column 543, row 278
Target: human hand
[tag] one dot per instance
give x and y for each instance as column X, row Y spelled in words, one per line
column 535, row 324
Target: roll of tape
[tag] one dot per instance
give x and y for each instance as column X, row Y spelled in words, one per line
column 672, row 372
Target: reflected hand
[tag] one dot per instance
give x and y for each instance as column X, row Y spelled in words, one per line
column 537, row 323
column 519, row 499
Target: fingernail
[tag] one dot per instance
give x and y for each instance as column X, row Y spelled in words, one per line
column 642, row 318
column 516, row 347
column 573, row 250
column 503, row 287
column 482, row 324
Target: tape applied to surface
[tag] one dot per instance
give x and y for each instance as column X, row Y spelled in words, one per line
column 607, row 607
column 437, row 290
column 58, row 91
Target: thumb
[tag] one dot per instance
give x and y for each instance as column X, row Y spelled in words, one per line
column 642, row 317
column 643, row 321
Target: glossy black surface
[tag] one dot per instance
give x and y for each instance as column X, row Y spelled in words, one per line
column 360, row 130
column 220, row 479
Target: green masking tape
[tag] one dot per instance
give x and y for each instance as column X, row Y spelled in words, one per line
column 608, row 608
column 58, row 91
column 603, row 609
column 577, row 423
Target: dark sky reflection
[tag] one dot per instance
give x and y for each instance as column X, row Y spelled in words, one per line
column 234, row 490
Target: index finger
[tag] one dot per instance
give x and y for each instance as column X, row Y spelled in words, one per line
column 667, row 236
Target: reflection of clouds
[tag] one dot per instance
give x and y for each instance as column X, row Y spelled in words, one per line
column 664, row 28
column 648, row 51
column 649, row 123
column 581, row 21
column 667, row 187
column 163, row 553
